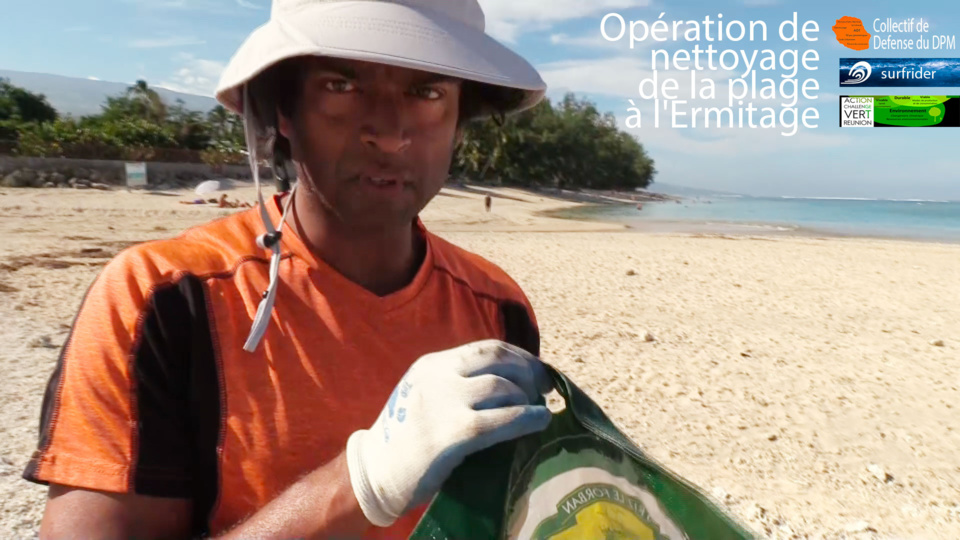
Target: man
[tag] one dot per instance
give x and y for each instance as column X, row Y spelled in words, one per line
column 330, row 388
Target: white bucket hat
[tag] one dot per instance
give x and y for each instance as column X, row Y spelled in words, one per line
column 439, row 36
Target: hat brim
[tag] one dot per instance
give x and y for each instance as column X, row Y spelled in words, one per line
column 386, row 33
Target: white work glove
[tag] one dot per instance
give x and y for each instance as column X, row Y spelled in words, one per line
column 447, row 406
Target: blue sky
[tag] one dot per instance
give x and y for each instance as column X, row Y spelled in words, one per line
column 184, row 44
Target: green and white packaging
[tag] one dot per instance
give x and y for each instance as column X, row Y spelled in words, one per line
column 580, row 479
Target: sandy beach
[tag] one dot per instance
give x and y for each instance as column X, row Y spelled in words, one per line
column 808, row 384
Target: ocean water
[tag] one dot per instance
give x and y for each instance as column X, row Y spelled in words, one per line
column 909, row 219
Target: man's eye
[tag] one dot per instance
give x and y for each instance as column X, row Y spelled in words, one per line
column 427, row 92
column 339, row 86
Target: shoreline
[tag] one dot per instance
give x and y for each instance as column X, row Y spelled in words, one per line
column 718, row 227
column 514, row 210
column 559, row 205
column 583, row 196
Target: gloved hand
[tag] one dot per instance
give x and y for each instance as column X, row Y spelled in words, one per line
column 447, row 406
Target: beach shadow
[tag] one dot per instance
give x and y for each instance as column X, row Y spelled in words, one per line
column 452, row 196
column 65, row 259
column 482, row 191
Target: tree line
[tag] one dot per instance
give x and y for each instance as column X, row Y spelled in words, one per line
column 137, row 125
column 567, row 144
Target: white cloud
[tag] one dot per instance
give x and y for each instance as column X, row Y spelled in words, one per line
column 160, row 4
column 742, row 142
column 824, row 97
column 92, row 78
column 503, row 30
column 620, row 77
column 507, row 19
column 728, row 142
column 617, row 76
column 171, row 41
column 196, row 76
column 593, row 41
column 209, row 7
column 248, row 5
column 558, row 10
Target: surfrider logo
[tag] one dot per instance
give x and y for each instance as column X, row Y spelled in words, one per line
column 892, row 72
column 860, row 72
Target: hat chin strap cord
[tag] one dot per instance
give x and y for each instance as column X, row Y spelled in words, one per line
column 270, row 239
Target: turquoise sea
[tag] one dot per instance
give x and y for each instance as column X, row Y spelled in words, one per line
column 907, row 219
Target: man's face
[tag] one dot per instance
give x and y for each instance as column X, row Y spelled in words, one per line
column 376, row 141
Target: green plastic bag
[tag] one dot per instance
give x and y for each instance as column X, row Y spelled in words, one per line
column 580, row 479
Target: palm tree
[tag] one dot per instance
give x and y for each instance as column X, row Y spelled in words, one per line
column 150, row 102
column 222, row 123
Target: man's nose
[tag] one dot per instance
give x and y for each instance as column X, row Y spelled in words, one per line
column 386, row 127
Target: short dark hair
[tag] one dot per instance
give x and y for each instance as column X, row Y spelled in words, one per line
column 280, row 87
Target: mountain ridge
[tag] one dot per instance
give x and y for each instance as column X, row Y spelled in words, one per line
column 74, row 96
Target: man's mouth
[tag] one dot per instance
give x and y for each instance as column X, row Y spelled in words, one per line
column 383, row 182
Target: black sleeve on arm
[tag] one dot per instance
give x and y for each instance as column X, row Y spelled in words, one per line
column 178, row 400
column 518, row 327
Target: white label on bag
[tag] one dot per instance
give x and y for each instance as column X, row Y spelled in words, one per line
column 589, row 503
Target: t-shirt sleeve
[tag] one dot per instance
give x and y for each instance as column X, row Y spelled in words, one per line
column 116, row 413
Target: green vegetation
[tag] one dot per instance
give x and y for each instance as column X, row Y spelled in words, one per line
column 17, row 104
column 565, row 145
column 136, row 125
column 568, row 144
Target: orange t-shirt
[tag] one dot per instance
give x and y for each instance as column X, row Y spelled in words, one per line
column 154, row 394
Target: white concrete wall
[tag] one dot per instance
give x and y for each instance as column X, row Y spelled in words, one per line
column 61, row 170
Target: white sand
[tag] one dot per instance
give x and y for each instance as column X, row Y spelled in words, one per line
column 781, row 370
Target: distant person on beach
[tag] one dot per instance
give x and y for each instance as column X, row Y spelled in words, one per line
column 318, row 365
column 487, row 202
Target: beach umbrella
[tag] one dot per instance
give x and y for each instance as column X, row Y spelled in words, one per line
column 208, row 186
